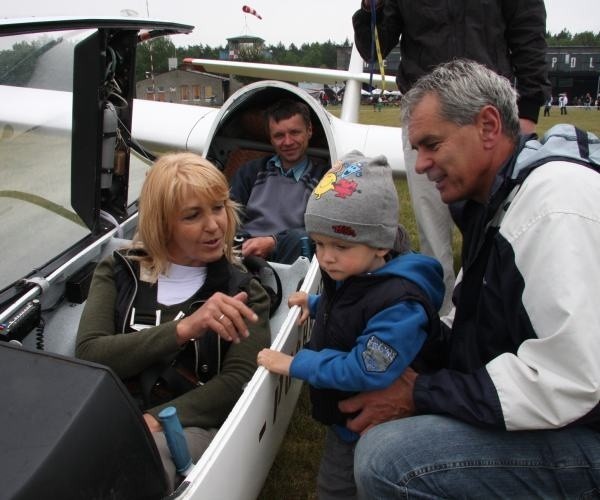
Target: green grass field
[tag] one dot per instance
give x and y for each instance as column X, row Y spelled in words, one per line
column 293, row 474
column 390, row 116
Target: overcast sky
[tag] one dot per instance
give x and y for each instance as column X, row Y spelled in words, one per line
column 287, row 21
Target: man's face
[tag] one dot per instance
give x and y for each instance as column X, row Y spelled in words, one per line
column 290, row 139
column 452, row 156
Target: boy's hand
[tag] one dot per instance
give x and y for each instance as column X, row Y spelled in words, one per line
column 275, row 361
column 300, row 299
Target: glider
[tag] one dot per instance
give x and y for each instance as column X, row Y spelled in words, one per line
column 75, row 144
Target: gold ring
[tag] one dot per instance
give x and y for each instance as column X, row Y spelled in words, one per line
column 221, row 317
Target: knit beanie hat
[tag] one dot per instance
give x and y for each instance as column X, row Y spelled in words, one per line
column 356, row 201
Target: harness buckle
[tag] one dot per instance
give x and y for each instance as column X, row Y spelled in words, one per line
column 142, row 323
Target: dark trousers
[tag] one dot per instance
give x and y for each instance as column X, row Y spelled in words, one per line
column 291, row 244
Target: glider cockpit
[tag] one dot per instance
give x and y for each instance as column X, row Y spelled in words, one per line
column 239, row 132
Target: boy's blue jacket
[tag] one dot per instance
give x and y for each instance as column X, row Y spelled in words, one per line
column 366, row 332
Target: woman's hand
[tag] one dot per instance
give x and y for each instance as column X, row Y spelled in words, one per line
column 152, row 423
column 300, row 299
column 275, row 361
column 225, row 315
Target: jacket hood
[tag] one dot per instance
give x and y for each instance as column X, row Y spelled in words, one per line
column 420, row 269
column 562, row 141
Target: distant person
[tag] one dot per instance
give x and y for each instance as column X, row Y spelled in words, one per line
column 374, row 313
column 563, row 100
column 548, row 106
column 174, row 315
column 506, row 36
column 511, row 407
column 587, row 102
column 273, row 190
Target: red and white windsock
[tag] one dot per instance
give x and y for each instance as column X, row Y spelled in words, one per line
column 250, row 10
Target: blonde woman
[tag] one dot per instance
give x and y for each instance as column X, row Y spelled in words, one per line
column 174, row 315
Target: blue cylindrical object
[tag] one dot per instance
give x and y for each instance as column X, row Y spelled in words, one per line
column 176, row 440
column 306, row 247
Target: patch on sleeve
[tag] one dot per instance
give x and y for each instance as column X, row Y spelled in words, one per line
column 378, row 356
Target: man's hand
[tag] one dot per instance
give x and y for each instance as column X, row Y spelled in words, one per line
column 261, row 246
column 376, row 407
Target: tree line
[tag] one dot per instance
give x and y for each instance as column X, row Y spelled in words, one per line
column 565, row 38
column 18, row 62
column 153, row 56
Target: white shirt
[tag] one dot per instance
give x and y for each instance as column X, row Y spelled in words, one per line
column 181, row 283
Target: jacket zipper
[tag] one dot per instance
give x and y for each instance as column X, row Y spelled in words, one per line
column 196, row 352
column 135, row 290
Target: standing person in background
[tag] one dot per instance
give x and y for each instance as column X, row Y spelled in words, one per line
column 562, row 103
column 507, row 36
column 548, row 106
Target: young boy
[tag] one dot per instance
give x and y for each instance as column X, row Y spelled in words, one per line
column 374, row 313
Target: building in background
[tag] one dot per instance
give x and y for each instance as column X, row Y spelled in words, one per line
column 187, row 86
column 238, row 45
column 574, row 70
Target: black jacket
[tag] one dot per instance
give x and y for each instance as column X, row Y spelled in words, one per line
column 343, row 313
column 507, row 36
